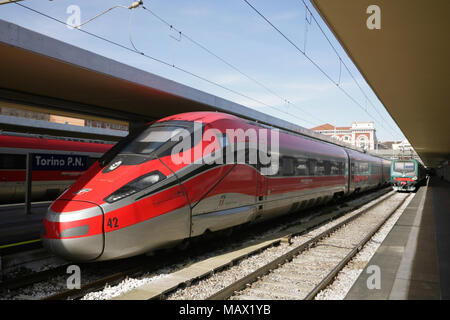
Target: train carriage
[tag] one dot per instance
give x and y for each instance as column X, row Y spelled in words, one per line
column 193, row 173
column 46, row 184
column 407, row 175
column 367, row 171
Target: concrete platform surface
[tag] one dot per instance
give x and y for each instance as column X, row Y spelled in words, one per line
column 414, row 258
column 16, row 226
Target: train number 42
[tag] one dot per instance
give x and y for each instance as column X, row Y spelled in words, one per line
column 113, row 222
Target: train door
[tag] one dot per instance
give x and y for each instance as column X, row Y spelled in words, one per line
column 350, row 172
column 353, row 168
column 261, row 194
column 229, row 202
column 228, row 192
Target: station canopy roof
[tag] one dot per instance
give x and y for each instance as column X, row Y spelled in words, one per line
column 406, row 62
column 45, row 74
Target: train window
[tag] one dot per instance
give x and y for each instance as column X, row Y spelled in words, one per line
column 363, row 168
column 320, row 168
column 153, row 139
column 376, row 168
column 288, row 167
column 343, row 168
column 13, row 161
column 302, row 167
column 90, row 161
column 404, row 166
column 335, row 168
column 312, row 167
column 327, row 167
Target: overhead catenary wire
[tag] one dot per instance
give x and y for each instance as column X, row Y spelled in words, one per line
column 130, row 32
column 160, row 61
column 311, row 16
column 312, row 61
column 342, row 62
column 182, row 34
column 134, row 5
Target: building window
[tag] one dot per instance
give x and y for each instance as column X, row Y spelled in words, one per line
column 363, row 141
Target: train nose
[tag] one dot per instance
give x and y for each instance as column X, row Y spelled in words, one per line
column 73, row 230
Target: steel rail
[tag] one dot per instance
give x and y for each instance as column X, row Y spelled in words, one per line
column 119, row 276
column 254, row 276
column 30, row 279
column 111, row 279
column 328, row 279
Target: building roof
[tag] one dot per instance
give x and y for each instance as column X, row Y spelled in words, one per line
column 325, row 126
column 405, row 64
column 328, row 126
column 389, row 144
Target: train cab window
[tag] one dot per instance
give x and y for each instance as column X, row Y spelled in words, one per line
column 158, row 140
column 147, row 142
column 404, row 166
column 154, row 138
column 13, row 161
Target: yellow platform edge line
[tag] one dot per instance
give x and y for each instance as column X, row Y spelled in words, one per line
column 19, row 243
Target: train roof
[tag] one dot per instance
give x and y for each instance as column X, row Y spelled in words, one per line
column 203, row 116
column 13, row 141
column 211, row 116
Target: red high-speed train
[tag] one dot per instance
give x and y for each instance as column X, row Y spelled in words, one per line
column 47, row 181
column 159, row 186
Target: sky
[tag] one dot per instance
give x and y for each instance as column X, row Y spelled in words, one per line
column 262, row 70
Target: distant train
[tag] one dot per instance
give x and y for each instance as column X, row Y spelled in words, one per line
column 50, row 178
column 407, row 175
column 167, row 183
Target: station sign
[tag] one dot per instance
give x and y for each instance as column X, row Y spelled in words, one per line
column 68, row 162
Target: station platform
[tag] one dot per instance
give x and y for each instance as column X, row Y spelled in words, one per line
column 414, row 258
column 17, row 227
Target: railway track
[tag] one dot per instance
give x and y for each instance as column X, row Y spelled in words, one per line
column 147, row 265
column 169, row 284
column 223, row 285
column 311, row 265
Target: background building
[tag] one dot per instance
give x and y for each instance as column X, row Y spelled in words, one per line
column 29, row 114
column 22, row 113
column 396, row 150
column 360, row 134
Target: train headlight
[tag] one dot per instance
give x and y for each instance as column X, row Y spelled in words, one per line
column 414, row 178
column 136, row 185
